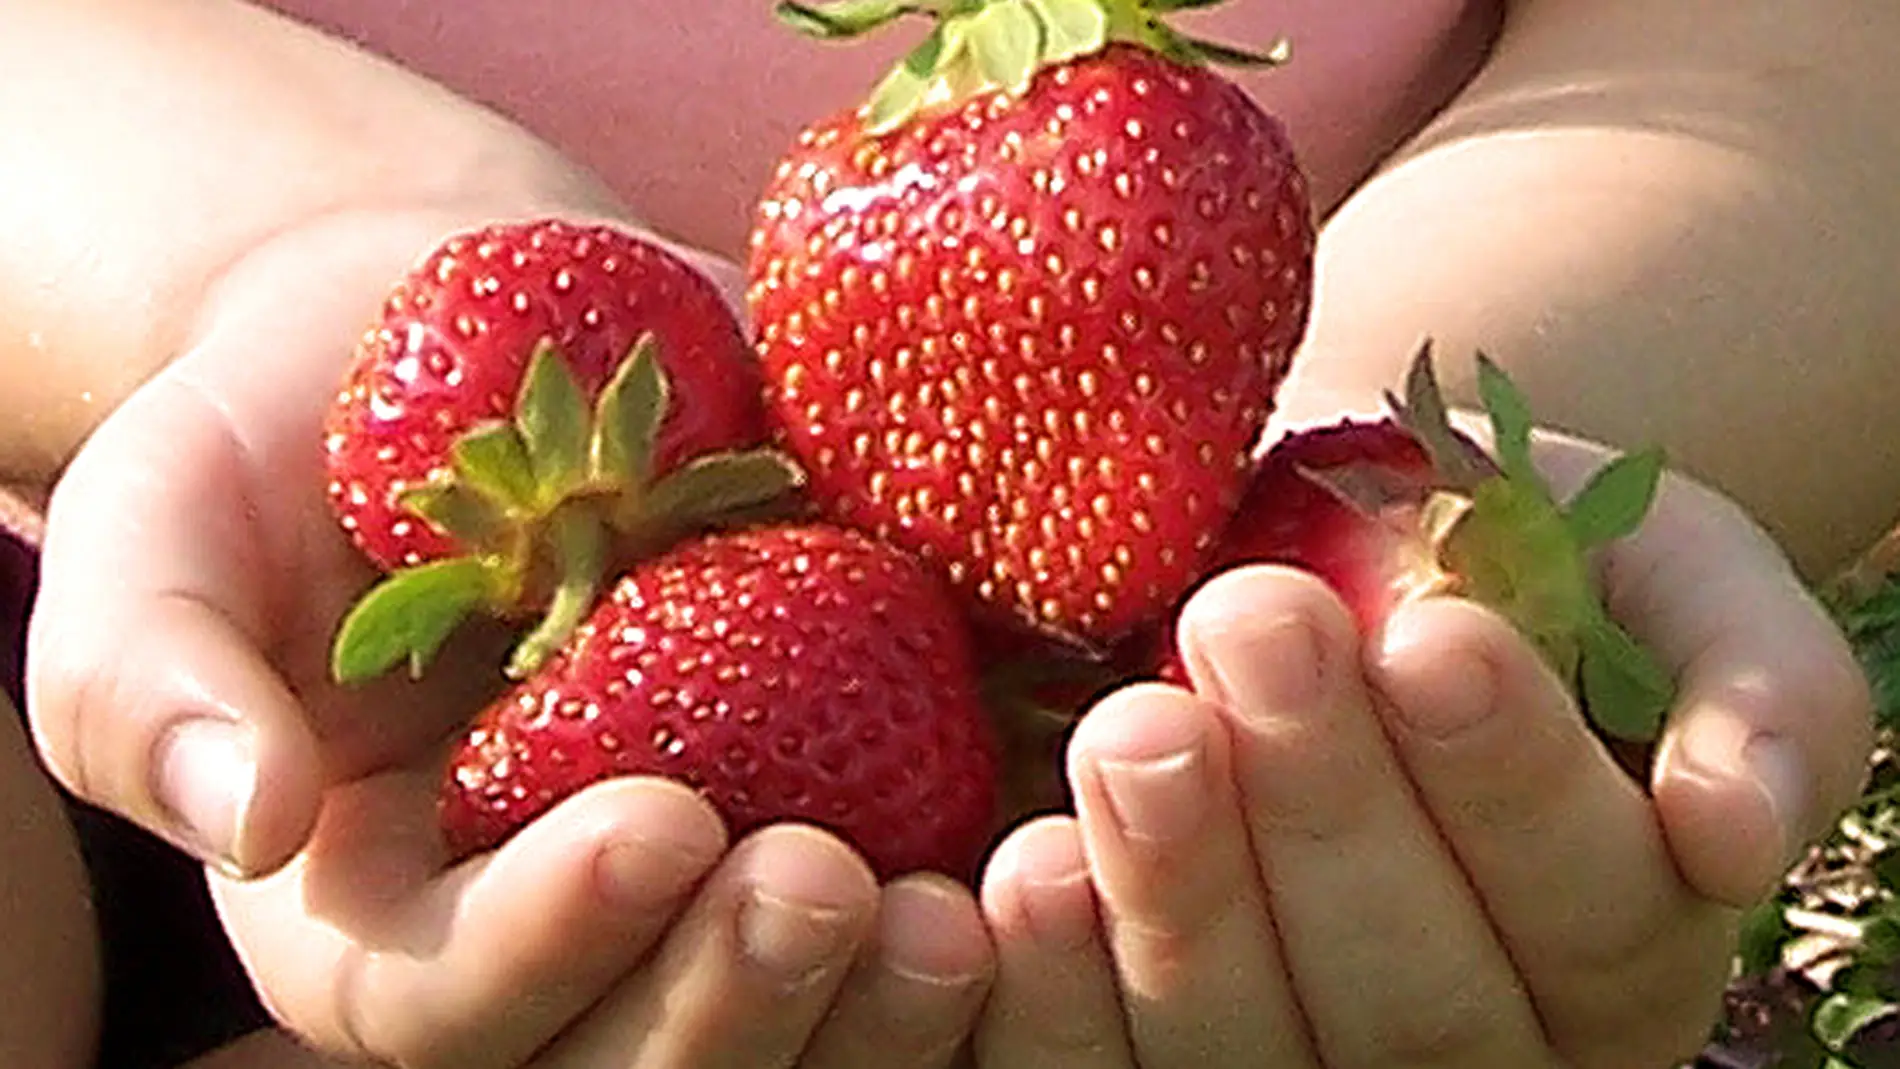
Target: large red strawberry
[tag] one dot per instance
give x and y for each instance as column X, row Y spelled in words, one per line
column 535, row 398
column 1387, row 510
column 1026, row 311
column 789, row 672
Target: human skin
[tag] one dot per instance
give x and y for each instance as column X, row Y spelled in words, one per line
column 341, row 153
column 1681, row 178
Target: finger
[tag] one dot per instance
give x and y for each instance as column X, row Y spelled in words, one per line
column 1624, row 961
column 171, row 718
column 1769, row 736
column 178, row 523
column 371, row 950
column 1054, row 1002
column 1187, row 918
column 914, row 994
column 1392, row 957
column 746, row 975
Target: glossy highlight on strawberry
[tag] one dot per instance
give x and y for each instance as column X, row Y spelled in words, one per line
column 800, row 672
column 1033, row 336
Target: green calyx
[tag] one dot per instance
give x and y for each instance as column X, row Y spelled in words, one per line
column 1507, row 542
column 560, row 490
column 982, row 46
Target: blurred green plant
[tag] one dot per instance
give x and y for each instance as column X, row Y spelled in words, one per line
column 1818, row 970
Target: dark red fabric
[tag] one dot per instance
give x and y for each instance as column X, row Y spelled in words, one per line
column 18, row 575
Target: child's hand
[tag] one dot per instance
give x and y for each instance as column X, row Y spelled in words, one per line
column 1412, row 852
column 193, row 578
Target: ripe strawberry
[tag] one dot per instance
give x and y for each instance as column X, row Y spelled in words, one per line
column 1403, row 507
column 525, row 407
column 1025, row 313
column 789, row 672
column 1294, row 513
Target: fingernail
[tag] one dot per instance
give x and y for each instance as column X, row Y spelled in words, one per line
column 1449, row 694
column 206, row 777
column 792, row 938
column 800, row 908
column 1157, row 799
column 1056, row 898
column 1276, row 669
column 911, row 944
column 1777, row 765
column 658, row 862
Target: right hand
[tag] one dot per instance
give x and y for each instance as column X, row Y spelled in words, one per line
column 178, row 675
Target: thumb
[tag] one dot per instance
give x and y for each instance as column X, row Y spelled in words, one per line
column 148, row 685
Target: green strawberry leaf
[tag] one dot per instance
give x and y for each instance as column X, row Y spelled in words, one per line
column 1202, row 50
column 1880, row 944
column 1510, row 423
column 1615, row 500
column 715, row 485
column 1841, row 1016
column 627, row 419
column 552, row 416
column 1764, row 932
column 842, row 18
column 1624, row 691
column 456, row 510
column 1456, row 459
column 1865, row 602
column 1873, row 613
column 1070, row 28
column 580, row 552
column 1006, row 41
column 902, row 91
column 492, row 462
column 1880, row 660
column 408, row 616
column 1515, row 554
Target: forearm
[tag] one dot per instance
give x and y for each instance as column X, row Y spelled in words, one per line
column 156, row 146
column 1671, row 223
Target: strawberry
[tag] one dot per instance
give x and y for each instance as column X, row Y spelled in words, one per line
column 1025, row 312
column 1393, row 509
column 1375, row 557
column 800, row 672
column 535, row 399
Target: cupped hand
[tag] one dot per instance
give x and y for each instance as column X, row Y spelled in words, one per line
column 1407, row 849
column 193, row 577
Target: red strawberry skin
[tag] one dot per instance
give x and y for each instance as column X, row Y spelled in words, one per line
column 456, row 335
column 1369, row 558
column 1288, row 517
column 791, row 672
column 1034, row 338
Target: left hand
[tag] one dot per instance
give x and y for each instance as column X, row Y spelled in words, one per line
column 1408, row 850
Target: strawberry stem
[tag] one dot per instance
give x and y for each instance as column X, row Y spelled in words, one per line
column 580, row 550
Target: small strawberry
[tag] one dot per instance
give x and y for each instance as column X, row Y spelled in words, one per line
column 536, row 399
column 800, row 672
column 1025, row 312
column 1404, row 507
